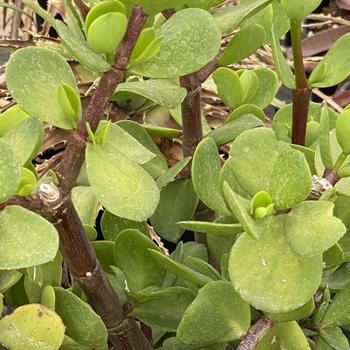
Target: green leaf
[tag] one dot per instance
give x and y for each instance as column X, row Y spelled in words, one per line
column 26, row 239
column 311, row 228
column 178, row 201
column 102, row 8
column 112, row 225
column 300, row 313
column 37, row 277
column 211, row 228
column 88, row 328
column 229, row 17
column 11, row 118
column 205, row 175
column 33, row 75
column 133, row 258
column 10, row 172
column 267, row 87
column 147, row 46
column 284, row 335
column 25, row 139
column 104, row 251
column 324, row 142
column 200, row 43
column 240, row 209
column 282, row 68
column 123, row 187
column 299, row 9
column 337, row 313
column 85, row 204
column 8, row 279
column 178, row 269
column 228, row 81
column 171, row 174
column 69, row 101
column 116, row 140
column 230, row 131
column 243, row 44
column 332, row 338
column 32, row 327
column 229, row 316
column 48, row 297
column 342, row 131
column 244, row 110
column 250, row 83
column 106, row 32
column 80, row 50
column 161, row 91
column 156, row 166
column 334, row 67
column 273, row 278
column 162, row 308
column 175, row 344
column 283, row 172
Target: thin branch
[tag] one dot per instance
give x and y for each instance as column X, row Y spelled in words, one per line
column 256, row 333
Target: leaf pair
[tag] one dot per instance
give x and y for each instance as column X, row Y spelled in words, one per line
column 257, row 87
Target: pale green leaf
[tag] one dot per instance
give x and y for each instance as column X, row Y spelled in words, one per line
column 32, row 327
column 334, row 67
column 33, row 75
column 26, row 239
column 123, row 187
column 229, row 316
column 267, row 272
column 199, row 44
column 311, row 228
column 85, row 204
column 161, row 91
column 297, row 10
column 10, row 172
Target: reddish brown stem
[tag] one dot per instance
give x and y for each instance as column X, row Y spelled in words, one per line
column 301, row 102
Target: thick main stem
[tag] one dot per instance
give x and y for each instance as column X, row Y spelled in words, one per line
column 79, row 255
column 256, row 333
column 302, row 93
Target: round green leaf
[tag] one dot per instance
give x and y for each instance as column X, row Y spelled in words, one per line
column 11, row 118
column 342, row 131
column 123, row 187
column 229, row 316
column 244, row 110
column 301, row 312
column 112, row 225
column 10, row 172
column 161, row 91
column 311, row 228
column 25, row 139
column 284, row 335
column 267, row 272
column 283, row 172
column 162, row 308
column 32, row 327
column 178, row 201
column 297, row 10
column 33, row 75
column 83, row 324
column 230, row 89
column 85, row 204
column 106, row 32
column 334, row 67
column 102, row 8
column 243, row 44
column 199, row 44
column 26, row 239
column 133, row 258
column 205, row 175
